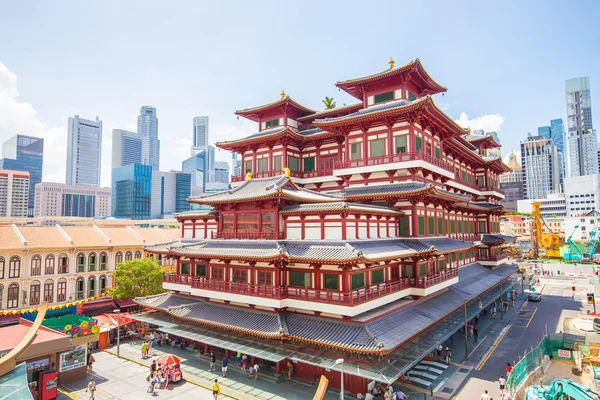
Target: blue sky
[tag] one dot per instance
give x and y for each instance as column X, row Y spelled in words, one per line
column 504, row 63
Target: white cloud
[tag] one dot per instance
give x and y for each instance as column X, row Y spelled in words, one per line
column 487, row 122
column 21, row 118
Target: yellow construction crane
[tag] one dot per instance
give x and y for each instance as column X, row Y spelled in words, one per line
column 551, row 242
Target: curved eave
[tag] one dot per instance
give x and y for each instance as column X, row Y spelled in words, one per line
column 248, row 141
column 201, row 254
column 356, row 349
column 268, row 196
column 488, row 141
column 232, row 328
column 332, row 112
column 388, row 195
column 254, row 113
column 352, row 86
column 446, row 195
column 308, row 260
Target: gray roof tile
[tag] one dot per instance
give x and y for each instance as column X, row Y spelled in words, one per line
column 165, row 300
column 339, row 206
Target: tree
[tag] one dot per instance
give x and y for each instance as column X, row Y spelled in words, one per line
column 135, row 278
column 329, row 103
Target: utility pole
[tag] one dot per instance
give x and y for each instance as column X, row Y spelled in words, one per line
column 466, row 335
column 501, row 301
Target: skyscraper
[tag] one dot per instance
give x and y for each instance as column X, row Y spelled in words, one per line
column 583, row 144
column 126, row 148
column 200, row 138
column 14, row 193
column 222, row 171
column 84, row 151
column 196, row 166
column 132, row 191
column 512, row 183
column 236, row 164
column 544, row 131
column 25, row 153
column 147, row 126
column 557, row 133
column 170, row 191
column 540, row 163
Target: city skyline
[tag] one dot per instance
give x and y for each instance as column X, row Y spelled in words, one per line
column 180, row 86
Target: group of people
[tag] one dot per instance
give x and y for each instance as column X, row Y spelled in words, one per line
column 504, row 393
column 241, row 360
column 159, row 375
column 447, row 354
column 150, row 342
column 382, row 392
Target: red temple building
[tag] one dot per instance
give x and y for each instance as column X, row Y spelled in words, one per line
column 362, row 232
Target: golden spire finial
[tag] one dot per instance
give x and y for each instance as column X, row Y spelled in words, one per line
column 283, row 94
column 391, row 63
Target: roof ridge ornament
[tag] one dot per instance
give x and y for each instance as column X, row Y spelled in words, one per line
column 286, row 172
column 283, row 95
column 391, row 63
column 249, row 176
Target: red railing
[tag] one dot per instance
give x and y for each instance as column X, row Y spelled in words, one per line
column 354, row 297
column 458, row 179
column 293, row 174
column 401, row 157
column 495, row 257
column 249, row 235
column 469, row 237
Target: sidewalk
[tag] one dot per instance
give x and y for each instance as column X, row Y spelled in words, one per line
column 236, row 385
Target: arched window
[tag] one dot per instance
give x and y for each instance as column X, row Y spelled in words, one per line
column 2, row 263
column 61, row 290
column 128, row 256
column 36, row 265
column 102, row 284
column 103, row 262
column 63, row 264
column 138, row 254
column 92, row 262
column 34, row 293
column 1, row 295
column 49, row 290
column 14, row 268
column 13, row 296
column 79, row 288
column 49, row 270
column 80, row 262
column 118, row 258
column 91, row 286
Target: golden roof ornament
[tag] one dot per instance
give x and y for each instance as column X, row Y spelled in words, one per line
column 283, row 94
column 249, row 176
column 286, row 172
column 391, row 63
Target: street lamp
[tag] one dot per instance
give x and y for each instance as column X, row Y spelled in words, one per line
column 118, row 312
column 340, row 361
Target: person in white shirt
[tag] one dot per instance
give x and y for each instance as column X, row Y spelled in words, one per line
column 502, row 382
column 401, row 396
column 485, row 396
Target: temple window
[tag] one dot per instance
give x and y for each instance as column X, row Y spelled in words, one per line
column 185, row 268
column 403, row 227
column 293, row 163
column 248, row 166
column 440, row 225
column 431, row 225
column 265, row 278
column 268, row 221
column 480, row 180
column 327, row 162
column 442, row 265
column 301, row 279
column 401, row 144
column 418, row 143
column 377, row 147
column 409, row 270
column 422, row 270
column 383, row 97
column 227, row 222
column 411, row 96
column 421, row 225
column 464, row 175
column 482, row 227
column 452, row 226
column 262, row 165
column 240, row 276
column 218, row 274
column 309, row 164
column 331, row 282
column 277, row 163
column 201, row 270
column 247, row 222
column 355, row 151
column 272, row 123
column 438, row 152
column 377, row 276
column 358, row 281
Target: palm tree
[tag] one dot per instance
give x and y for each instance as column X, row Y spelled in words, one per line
column 329, row 103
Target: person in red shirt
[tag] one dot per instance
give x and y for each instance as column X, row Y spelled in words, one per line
column 508, row 368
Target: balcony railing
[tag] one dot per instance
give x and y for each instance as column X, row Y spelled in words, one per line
column 469, row 237
column 249, row 235
column 352, row 298
column 495, row 257
column 491, row 189
column 458, row 179
column 395, row 158
column 293, row 174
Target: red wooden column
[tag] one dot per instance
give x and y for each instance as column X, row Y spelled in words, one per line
column 347, row 146
column 345, row 280
column 252, row 272
column 356, row 220
column 339, row 149
column 318, row 157
column 322, row 218
column 368, row 227
column 284, row 163
column 243, row 169
column 193, row 228
column 365, row 144
column 344, row 234
column 387, row 226
column 277, row 274
column 317, row 269
column 227, row 269
column 254, row 162
column 414, row 224
column 390, row 139
column 368, row 278
column 183, row 228
column 205, row 229
column 302, row 227
column 410, row 140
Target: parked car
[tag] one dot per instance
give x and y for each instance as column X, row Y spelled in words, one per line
column 534, row 296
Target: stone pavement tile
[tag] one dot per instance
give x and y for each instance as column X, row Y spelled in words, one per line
column 255, row 392
column 265, row 395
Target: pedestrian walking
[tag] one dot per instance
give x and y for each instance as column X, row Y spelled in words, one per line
column 212, row 361
column 253, row 372
column 512, row 300
column 400, row 395
column 224, row 366
column 485, row 395
column 470, row 327
column 238, row 359
column 508, row 369
column 244, row 362
column 91, row 387
column 144, row 349
column 502, row 383
column 439, row 351
column 476, row 334
column 216, row 389
column 290, row 367
column 448, row 356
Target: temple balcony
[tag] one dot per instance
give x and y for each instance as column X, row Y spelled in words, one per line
column 494, row 260
column 467, row 237
column 303, row 177
column 249, row 235
column 418, row 159
column 351, row 303
column 492, row 191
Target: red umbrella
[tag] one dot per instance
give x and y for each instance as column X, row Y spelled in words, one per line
column 168, row 359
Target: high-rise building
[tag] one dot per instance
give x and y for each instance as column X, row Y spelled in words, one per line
column 61, row 200
column 582, row 194
column 583, row 143
column 126, row 148
column 544, row 131
column 195, row 166
column 222, row 171
column 236, row 164
column 147, row 126
column 25, row 153
column 14, row 193
column 540, row 163
column 170, row 192
column 200, row 132
column 512, row 184
column 132, row 191
column 84, row 151
column 557, row 133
